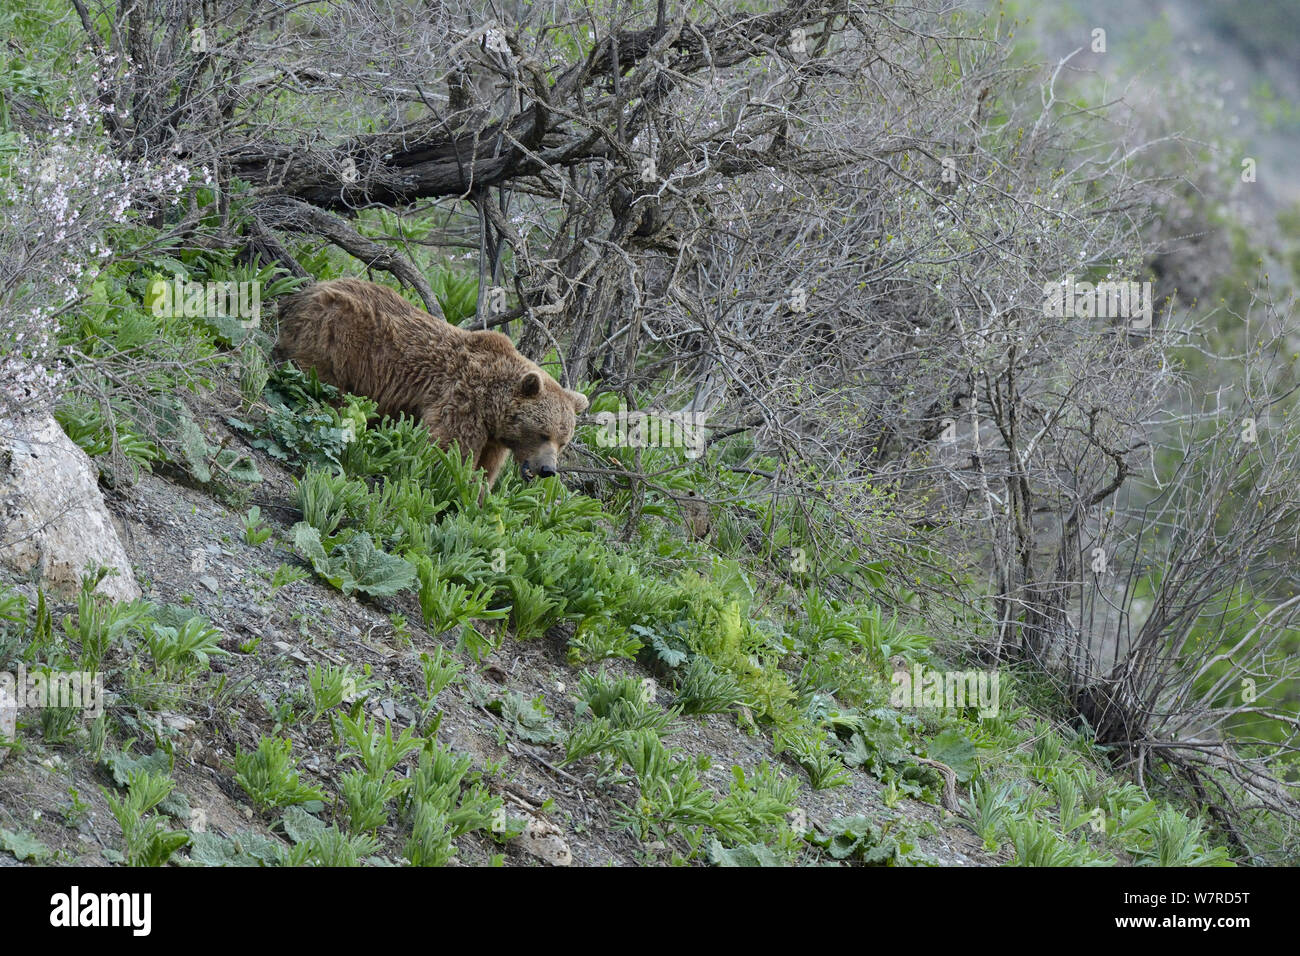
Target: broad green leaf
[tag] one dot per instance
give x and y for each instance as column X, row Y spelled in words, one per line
column 954, row 749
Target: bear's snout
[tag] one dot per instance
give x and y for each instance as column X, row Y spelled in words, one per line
column 529, row 471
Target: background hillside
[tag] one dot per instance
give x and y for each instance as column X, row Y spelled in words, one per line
column 865, row 552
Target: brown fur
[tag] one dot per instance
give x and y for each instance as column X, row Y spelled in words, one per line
column 472, row 388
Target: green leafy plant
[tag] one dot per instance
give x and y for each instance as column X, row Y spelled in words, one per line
column 285, row 575
column 1178, row 840
column 746, row 855
column 25, row 847
column 1036, row 844
column 439, row 671
column 860, row 839
column 825, row 769
column 442, row 807
column 355, row 564
column 1072, row 813
column 456, row 292
column 1049, row 754
column 707, row 689
column 204, row 462
column 877, row 740
column 528, row 719
column 57, row 723
column 329, row 685
column 178, row 651
column 77, row 810
column 379, row 752
column 254, row 373
column 331, row 847
column 987, row 810
column 532, row 611
column 627, row 703
column 327, row 499
column 302, row 424
column 589, row 737
column 367, row 798
column 597, row 637
column 757, row 804
column 270, row 778
column 445, row 605
column 254, row 532
column 245, row 848
column 100, row 624
column 97, row 434
column 14, row 623
column 672, row 795
column 400, row 449
column 146, row 840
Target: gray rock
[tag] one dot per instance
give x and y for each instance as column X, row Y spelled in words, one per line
column 52, row 516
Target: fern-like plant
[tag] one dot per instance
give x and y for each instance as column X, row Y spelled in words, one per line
column 270, row 778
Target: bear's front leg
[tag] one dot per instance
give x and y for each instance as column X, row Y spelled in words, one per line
column 491, row 459
column 471, row 441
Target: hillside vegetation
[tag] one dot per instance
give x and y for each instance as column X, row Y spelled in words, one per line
column 901, row 566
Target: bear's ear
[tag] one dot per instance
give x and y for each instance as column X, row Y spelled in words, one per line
column 531, row 386
column 579, row 400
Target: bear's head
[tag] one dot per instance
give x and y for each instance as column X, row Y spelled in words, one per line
column 539, row 422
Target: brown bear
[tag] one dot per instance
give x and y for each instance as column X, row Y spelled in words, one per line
column 471, row 388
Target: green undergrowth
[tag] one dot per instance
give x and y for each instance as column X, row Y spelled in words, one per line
column 752, row 625
column 661, row 633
